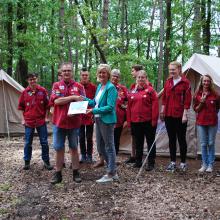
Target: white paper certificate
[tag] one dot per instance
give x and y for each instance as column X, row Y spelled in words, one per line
column 78, row 108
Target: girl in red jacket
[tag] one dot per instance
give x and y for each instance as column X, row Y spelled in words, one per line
column 142, row 116
column 206, row 105
column 176, row 101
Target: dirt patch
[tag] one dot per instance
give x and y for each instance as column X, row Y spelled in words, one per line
column 158, row 195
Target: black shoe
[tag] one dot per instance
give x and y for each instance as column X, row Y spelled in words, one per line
column 64, row 165
column 76, row 176
column 218, row 174
column 47, row 165
column 137, row 165
column 130, row 160
column 26, row 165
column 149, row 167
column 57, row 178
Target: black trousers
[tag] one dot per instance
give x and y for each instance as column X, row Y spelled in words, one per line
column 141, row 130
column 117, row 135
column 176, row 129
column 86, row 134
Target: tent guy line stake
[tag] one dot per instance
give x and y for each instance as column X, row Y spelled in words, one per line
column 146, row 158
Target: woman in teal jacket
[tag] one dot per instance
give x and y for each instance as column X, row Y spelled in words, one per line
column 104, row 111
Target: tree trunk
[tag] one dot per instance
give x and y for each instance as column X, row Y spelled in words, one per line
column 197, row 27
column 93, row 36
column 206, row 20
column 52, row 42
column 61, row 32
column 10, row 38
column 160, row 67
column 150, row 31
column 22, row 65
column 122, row 6
column 168, row 38
column 183, row 33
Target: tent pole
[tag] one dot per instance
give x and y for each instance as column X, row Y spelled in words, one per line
column 6, row 113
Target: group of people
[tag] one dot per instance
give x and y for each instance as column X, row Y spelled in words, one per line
column 110, row 106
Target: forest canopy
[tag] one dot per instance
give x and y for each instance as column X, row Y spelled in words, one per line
column 38, row 35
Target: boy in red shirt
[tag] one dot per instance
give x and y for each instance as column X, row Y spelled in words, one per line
column 86, row 129
column 33, row 103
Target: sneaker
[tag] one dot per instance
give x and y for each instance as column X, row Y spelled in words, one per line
column 26, row 165
column 171, row 167
column 115, row 177
column 209, row 169
column 83, row 158
column 149, row 167
column 130, row 160
column 218, row 174
column 57, row 178
column 202, row 169
column 47, row 165
column 137, row 165
column 183, row 167
column 105, row 179
column 64, row 165
column 76, row 176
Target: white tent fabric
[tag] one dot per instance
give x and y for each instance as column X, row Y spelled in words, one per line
column 10, row 91
column 196, row 66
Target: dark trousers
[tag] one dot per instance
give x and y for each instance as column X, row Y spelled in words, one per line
column 117, row 135
column 85, row 140
column 141, row 130
column 176, row 129
column 29, row 134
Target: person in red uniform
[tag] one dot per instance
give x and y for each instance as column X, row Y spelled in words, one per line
column 206, row 106
column 64, row 92
column 33, row 103
column 176, row 100
column 121, row 106
column 134, row 71
column 86, row 129
column 142, row 116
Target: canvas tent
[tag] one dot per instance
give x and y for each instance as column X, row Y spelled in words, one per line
column 10, row 90
column 196, row 66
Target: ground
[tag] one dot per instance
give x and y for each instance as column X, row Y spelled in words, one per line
column 158, row 194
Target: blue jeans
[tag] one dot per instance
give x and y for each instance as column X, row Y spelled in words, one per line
column 105, row 144
column 29, row 134
column 207, row 141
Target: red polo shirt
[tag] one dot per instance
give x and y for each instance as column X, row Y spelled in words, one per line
column 121, row 105
column 60, row 117
column 34, row 105
column 143, row 106
column 90, row 89
column 176, row 98
column 208, row 114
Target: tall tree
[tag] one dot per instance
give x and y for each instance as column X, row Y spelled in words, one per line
column 197, row 27
column 160, row 67
column 168, row 37
column 10, row 38
column 61, row 31
column 22, row 65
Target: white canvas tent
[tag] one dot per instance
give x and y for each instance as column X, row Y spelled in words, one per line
column 10, row 90
column 196, row 66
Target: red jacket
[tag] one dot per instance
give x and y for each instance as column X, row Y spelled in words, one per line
column 90, row 89
column 143, row 106
column 60, row 117
column 208, row 114
column 34, row 106
column 121, row 105
column 176, row 98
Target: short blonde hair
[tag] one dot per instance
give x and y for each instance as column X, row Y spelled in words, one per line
column 106, row 67
column 142, row 72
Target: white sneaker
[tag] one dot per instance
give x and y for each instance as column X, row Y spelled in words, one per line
column 115, row 177
column 183, row 167
column 105, row 179
column 202, row 169
column 209, row 169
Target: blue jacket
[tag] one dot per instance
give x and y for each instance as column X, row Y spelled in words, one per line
column 107, row 103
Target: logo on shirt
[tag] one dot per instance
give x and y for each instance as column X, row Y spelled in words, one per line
column 61, row 87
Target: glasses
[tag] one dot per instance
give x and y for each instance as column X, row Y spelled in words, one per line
column 66, row 71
